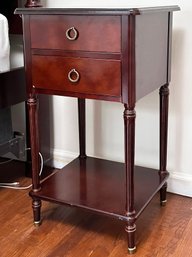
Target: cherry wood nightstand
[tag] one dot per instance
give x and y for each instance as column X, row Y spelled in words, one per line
column 117, row 55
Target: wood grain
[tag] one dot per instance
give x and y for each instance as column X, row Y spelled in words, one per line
column 71, row 232
column 95, row 78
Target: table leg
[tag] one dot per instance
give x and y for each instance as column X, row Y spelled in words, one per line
column 82, row 128
column 129, row 127
column 34, row 138
column 36, row 205
column 164, row 103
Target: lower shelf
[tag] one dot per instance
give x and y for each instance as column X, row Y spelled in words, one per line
column 99, row 185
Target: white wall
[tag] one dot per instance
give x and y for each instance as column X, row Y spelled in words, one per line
column 105, row 119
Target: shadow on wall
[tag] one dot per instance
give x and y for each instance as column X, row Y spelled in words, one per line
column 147, row 122
column 107, row 130
column 107, row 133
column 45, row 127
column 177, row 103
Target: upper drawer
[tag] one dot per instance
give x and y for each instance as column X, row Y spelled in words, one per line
column 90, row 33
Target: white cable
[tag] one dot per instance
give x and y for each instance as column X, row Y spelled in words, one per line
column 41, row 161
column 14, row 185
column 10, row 184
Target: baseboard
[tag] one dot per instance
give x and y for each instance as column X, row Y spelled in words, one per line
column 180, row 184
column 177, row 183
column 61, row 158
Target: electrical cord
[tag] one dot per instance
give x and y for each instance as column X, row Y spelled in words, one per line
column 15, row 185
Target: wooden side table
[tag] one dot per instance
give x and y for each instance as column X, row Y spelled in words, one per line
column 117, row 55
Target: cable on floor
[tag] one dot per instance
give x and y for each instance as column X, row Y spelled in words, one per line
column 16, row 185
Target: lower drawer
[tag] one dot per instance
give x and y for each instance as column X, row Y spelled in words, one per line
column 81, row 75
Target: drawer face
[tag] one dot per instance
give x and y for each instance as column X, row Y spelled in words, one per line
column 80, row 75
column 86, row 33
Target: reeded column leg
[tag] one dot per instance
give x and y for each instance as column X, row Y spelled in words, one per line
column 164, row 104
column 129, row 127
column 34, row 138
column 82, row 148
column 82, row 128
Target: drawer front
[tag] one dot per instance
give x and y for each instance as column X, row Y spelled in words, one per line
column 80, row 75
column 89, row 33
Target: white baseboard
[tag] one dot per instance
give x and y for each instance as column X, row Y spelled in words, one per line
column 61, row 158
column 178, row 183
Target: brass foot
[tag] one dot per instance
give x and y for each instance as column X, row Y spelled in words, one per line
column 163, row 203
column 132, row 250
column 37, row 223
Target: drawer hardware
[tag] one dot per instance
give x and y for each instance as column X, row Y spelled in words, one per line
column 73, row 76
column 71, row 33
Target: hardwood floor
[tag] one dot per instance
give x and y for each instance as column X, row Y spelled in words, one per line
column 70, row 232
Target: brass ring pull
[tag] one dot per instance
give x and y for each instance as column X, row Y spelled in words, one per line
column 73, row 76
column 71, row 33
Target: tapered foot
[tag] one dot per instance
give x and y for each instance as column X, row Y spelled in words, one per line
column 163, row 195
column 163, row 203
column 131, row 229
column 37, row 223
column 36, row 204
column 132, row 250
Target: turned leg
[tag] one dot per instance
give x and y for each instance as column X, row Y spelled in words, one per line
column 82, row 148
column 34, row 138
column 82, row 128
column 28, row 145
column 164, row 103
column 129, row 126
column 131, row 229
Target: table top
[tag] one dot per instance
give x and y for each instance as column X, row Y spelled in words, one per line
column 104, row 10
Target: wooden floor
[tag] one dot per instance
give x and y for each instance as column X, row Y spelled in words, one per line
column 161, row 231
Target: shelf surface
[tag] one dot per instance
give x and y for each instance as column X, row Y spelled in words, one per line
column 99, row 185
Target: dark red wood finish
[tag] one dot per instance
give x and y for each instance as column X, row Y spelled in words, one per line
column 111, row 72
column 102, row 184
column 50, row 72
column 82, row 127
column 33, row 3
column 104, row 32
column 164, row 102
column 33, row 117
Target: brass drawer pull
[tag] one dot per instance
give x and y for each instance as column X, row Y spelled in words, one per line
column 73, row 76
column 71, row 33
